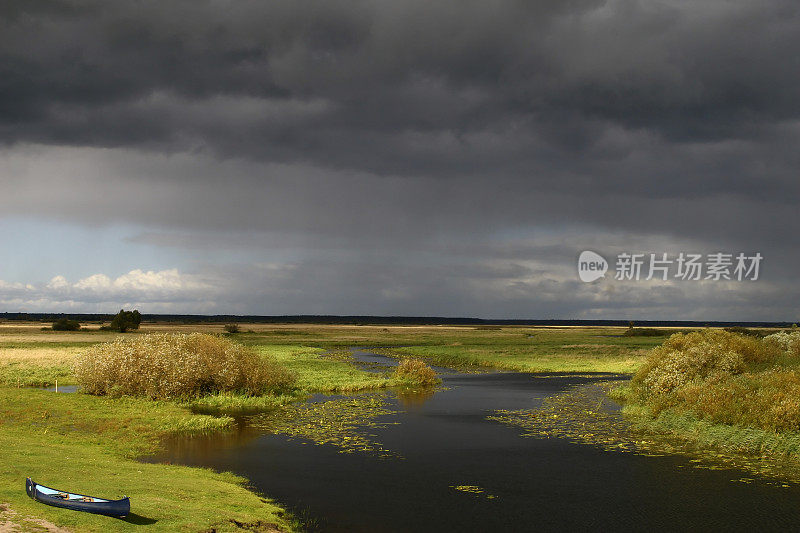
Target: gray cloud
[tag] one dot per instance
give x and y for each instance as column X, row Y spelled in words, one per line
column 481, row 145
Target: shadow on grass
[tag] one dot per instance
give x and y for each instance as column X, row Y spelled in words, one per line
column 138, row 520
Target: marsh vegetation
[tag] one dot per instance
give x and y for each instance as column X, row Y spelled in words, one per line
column 732, row 393
column 725, row 378
column 178, row 365
column 730, row 390
column 416, row 372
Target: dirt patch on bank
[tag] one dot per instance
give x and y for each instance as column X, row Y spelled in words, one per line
column 12, row 522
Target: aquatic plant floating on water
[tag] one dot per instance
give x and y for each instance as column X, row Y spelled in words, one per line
column 473, row 489
column 581, row 414
column 343, row 422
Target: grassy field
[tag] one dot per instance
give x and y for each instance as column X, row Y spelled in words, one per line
column 91, row 443
column 88, row 444
column 30, row 356
column 525, row 349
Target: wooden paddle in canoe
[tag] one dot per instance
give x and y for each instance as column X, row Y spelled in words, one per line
column 78, row 502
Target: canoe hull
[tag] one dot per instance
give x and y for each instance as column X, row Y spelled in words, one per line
column 48, row 496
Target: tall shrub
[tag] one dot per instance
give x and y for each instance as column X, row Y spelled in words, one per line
column 171, row 365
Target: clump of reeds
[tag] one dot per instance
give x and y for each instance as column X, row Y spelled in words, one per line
column 174, row 365
column 415, row 370
column 726, row 378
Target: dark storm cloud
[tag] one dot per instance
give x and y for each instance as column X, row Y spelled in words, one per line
column 409, row 87
column 555, row 93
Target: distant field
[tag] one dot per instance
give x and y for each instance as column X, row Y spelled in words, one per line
column 529, row 349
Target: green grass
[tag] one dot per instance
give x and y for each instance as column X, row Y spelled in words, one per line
column 524, row 349
column 88, row 445
column 646, row 332
column 727, row 438
column 92, row 443
column 545, row 351
column 316, row 373
column 237, row 404
column 29, row 375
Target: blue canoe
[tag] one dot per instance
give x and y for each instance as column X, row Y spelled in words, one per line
column 77, row 502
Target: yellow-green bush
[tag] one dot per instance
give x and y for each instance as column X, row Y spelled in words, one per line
column 788, row 342
column 766, row 400
column 173, row 365
column 416, row 370
column 724, row 378
column 697, row 355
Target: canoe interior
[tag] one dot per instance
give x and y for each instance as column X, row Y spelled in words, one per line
column 47, row 491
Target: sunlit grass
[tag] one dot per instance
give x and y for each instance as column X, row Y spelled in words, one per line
column 228, row 403
column 107, row 433
column 89, row 444
column 36, row 367
column 316, row 373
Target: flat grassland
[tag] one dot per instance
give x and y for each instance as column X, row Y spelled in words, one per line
column 91, row 444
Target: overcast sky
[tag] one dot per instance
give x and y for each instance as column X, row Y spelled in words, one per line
column 401, row 157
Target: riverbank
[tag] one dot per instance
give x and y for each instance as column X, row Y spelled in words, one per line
column 89, row 445
column 737, row 395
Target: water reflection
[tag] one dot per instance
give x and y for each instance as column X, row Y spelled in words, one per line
column 414, row 398
column 205, row 447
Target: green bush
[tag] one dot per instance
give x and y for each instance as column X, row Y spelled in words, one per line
column 697, row 355
column 232, row 328
column 177, row 366
column 416, row 370
column 65, row 324
column 124, row 321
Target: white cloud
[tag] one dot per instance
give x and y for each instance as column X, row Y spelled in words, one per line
column 164, row 280
column 150, row 285
column 58, row 282
column 155, row 291
column 95, row 282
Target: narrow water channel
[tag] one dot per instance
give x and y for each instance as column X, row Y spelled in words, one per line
column 454, row 470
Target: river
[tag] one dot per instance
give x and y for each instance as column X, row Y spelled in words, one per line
column 451, row 469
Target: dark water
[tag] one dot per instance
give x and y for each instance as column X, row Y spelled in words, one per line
column 63, row 388
column 539, row 484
